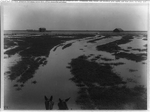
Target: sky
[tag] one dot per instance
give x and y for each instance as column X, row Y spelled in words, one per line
column 75, row 16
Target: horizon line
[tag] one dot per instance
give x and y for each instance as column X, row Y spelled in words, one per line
column 71, row 30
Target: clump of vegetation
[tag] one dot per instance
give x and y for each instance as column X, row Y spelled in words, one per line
column 140, row 50
column 113, row 46
column 8, row 43
column 109, row 92
column 67, row 45
column 23, row 70
column 58, row 46
column 106, row 59
column 113, row 63
column 131, row 56
column 94, row 40
column 21, row 45
column 87, row 71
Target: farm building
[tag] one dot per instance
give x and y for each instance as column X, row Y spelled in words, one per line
column 42, row 29
column 118, row 30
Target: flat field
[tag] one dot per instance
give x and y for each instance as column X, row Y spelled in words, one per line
column 98, row 70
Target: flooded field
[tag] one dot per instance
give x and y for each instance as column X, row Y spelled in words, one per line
column 96, row 70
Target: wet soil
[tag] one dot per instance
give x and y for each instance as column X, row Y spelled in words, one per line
column 67, row 45
column 102, row 88
column 33, row 52
column 113, row 47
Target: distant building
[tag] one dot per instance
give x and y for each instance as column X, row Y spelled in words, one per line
column 118, row 30
column 42, row 29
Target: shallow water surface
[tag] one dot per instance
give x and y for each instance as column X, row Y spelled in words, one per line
column 53, row 78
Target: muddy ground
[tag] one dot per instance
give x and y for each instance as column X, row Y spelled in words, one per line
column 100, row 87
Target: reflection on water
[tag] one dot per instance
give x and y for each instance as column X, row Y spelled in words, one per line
column 39, row 67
